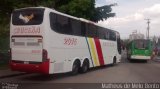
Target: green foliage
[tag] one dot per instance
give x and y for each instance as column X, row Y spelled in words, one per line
column 103, row 13
column 85, row 9
column 79, row 8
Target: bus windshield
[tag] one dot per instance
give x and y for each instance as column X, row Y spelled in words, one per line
column 141, row 44
column 30, row 16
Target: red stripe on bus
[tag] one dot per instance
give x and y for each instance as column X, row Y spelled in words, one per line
column 99, row 51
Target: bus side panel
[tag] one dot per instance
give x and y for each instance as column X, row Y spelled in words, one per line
column 64, row 49
column 109, row 50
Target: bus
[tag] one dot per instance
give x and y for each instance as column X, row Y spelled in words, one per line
column 43, row 40
column 139, row 49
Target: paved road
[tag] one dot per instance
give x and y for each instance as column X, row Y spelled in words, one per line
column 124, row 72
column 121, row 73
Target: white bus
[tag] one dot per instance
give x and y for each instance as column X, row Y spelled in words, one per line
column 43, row 40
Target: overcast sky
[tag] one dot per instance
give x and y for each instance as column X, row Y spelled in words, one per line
column 131, row 15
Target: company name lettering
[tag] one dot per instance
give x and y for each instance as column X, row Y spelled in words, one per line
column 27, row 30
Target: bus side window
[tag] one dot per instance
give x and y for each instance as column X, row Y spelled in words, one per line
column 101, row 32
column 83, row 29
column 53, row 21
column 60, row 24
column 106, row 35
column 112, row 36
column 64, row 24
column 91, row 31
column 76, row 27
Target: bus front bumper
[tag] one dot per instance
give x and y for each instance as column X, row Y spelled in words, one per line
column 42, row 67
column 140, row 57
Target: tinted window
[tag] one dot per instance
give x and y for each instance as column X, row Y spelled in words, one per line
column 76, row 27
column 70, row 26
column 100, row 32
column 83, row 28
column 31, row 16
column 53, row 22
column 91, row 31
column 107, row 35
column 65, row 25
column 112, row 36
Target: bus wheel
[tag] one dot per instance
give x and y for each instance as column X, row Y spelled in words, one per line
column 84, row 67
column 114, row 61
column 75, row 67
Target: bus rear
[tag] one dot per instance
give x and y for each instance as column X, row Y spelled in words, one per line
column 141, row 49
column 26, row 41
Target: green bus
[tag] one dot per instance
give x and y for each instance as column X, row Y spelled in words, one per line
column 139, row 49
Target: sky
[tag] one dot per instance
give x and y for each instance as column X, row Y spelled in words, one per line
column 131, row 15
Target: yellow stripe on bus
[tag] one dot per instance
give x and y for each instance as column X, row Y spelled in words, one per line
column 93, row 51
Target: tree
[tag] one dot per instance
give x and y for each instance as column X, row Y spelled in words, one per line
column 103, row 13
column 79, row 8
column 85, row 9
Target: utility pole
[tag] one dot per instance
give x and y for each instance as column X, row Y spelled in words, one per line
column 148, row 28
